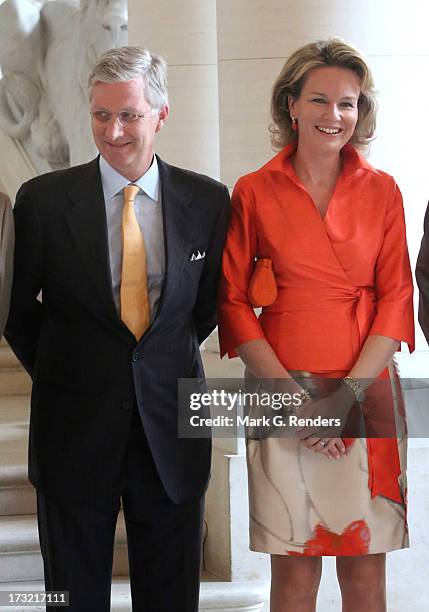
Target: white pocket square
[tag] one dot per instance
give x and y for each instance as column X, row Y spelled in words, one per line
column 197, row 255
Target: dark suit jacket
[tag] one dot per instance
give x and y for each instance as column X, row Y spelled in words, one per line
column 422, row 278
column 86, row 367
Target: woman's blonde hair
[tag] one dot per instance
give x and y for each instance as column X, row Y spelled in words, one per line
column 331, row 52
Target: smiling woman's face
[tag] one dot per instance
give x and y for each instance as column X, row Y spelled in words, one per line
column 327, row 109
column 129, row 150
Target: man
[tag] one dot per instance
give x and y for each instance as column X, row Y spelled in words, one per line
column 129, row 279
column 422, row 277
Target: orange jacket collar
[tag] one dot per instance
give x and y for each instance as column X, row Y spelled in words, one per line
column 352, row 161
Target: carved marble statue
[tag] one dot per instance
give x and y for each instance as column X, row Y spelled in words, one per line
column 47, row 51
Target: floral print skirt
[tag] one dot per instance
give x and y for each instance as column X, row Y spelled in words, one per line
column 302, row 503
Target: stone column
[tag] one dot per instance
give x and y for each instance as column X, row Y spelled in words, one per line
column 185, row 33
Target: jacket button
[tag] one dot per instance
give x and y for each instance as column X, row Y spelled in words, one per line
column 126, row 405
column 136, row 357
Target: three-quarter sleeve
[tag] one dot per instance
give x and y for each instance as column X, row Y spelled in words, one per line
column 393, row 280
column 237, row 320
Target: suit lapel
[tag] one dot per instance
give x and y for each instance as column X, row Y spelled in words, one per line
column 88, row 226
column 176, row 197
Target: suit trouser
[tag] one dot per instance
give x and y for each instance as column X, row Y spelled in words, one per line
column 164, row 542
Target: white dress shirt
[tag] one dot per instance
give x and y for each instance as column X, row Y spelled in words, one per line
column 148, row 207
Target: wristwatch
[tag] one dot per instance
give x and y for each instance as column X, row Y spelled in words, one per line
column 304, row 397
column 355, row 387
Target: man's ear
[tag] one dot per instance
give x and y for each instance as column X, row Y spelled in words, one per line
column 162, row 117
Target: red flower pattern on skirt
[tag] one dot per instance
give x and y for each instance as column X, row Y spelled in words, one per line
column 353, row 541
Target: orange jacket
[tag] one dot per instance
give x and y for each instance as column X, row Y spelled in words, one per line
column 339, row 279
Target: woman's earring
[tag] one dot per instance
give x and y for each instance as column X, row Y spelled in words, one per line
column 294, row 123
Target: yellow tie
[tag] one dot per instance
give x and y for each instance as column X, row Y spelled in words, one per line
column 135, row 311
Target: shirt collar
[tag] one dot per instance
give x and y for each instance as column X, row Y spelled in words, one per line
column 352, row 161
column 113, row 182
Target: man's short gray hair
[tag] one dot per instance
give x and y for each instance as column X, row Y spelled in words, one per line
column 126, row 63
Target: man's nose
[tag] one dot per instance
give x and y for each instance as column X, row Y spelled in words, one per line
column 113, row 128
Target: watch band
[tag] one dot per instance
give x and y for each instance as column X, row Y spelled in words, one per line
column 355, row 387
column 304, row 397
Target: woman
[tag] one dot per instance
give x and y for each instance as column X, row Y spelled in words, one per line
column 332, row 228
column 6, row 256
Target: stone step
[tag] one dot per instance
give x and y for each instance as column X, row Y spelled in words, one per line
column 16, row 499
column 14, row 409
column 7, row 359
column 214, row 596
column 20, row 557
column 13, row 378
column 16, row 493
column 14, row 382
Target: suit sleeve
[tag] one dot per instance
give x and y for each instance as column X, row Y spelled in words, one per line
column 422, row 277
column 205, row 315
column 23, row 326
column 237, row 320
column 7, row 239
column 393, row 279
